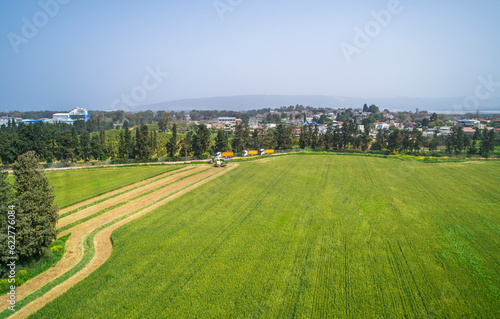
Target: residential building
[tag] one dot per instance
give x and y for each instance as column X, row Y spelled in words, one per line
column 469, row 122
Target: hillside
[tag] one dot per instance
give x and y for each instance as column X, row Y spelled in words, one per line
column 250, row 102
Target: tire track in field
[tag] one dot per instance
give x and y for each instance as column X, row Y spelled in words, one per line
column 207, row 253
column 75, row 244
column 104, row 246
column 173, row 177
column 68, row 211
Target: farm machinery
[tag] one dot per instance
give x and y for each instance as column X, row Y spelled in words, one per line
column 260, row 152
column 220, row 158
column 219, row 162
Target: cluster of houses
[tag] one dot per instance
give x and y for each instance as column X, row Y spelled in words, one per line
column 469, row 125
column 297, row 118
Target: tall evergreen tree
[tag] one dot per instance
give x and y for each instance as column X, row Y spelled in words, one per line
column 121, row 145
column 172, row 146
column 186, row 145
column 241, row 135
column 221, row 142
column 74, row 138
column 154, row 150
column 417, row 139
column 433, row 143
column 406, row 140
column 129, row 143
column 394, row 142
column 477, row 134
column 6, row 199
column 36, row 215
column 380, row 141
column 143, row 147
column 457, row 139
column 65, row 150
column 283, row 137
column 102, row 137
column 96, row 147
column 487, row 143
column 203, row 134
column 137, row 139
column 365, row 138
column 315, row 137
column 256, row 139
column 304, row 137
column 84, row 148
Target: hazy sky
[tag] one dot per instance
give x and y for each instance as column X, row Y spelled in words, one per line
column 59, row 54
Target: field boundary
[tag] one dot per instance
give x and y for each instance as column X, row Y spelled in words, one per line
column 125, row 202
column 117, row 192
column 401, row 157
column 62, row 283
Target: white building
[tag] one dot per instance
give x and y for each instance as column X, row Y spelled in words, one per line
column 68, row 117
column 445, row 130
column 223, row 121
column 5, row 120
column 381, row 126
column 469, row 122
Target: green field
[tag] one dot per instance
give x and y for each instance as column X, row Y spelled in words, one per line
column 309, row 237
column 74, row 186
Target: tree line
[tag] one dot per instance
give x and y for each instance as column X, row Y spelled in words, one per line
column 62, row 142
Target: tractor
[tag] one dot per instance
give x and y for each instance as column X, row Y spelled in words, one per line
column 219, row 161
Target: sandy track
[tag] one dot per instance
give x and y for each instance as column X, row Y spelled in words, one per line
column 123, row 197
column 117, row 191
column 103, row 245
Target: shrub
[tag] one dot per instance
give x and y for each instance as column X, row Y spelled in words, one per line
column 56, row 249
column 204, row 155
column 22, row 275
column 48, row 255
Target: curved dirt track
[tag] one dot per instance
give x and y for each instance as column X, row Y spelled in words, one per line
column 118, row 191
column 172, row 177
column 177, row 185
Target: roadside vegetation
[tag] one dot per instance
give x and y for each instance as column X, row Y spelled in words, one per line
column 122, row 138
column 30, row 268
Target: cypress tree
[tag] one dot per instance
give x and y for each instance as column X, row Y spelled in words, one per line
column 36, row 216
column 143, row 147
column 221, row 142
column 172, row 144
column 129, row 144
column 6, row 199
column 137, row 141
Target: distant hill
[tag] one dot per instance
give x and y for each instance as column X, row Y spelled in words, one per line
column 250, row 102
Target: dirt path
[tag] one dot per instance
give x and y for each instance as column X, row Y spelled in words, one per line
column 103, row 245
column 118, row 191
column 123, row 197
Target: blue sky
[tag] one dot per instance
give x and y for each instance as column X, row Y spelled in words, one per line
column 91, row 53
